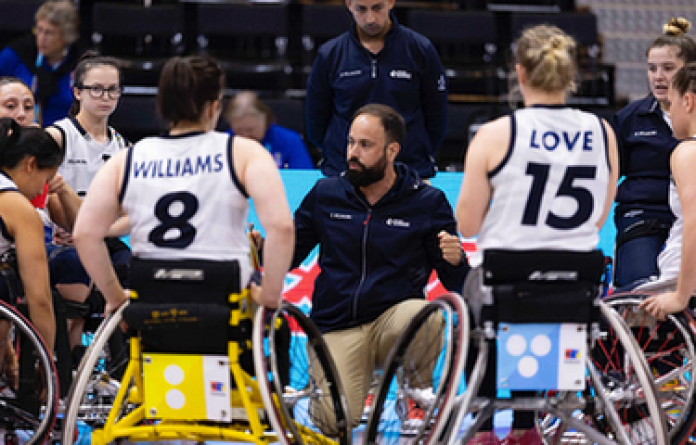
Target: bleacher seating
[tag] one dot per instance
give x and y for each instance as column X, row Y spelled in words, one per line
column 466, row 42
column 17, row 19
column 270, row 47
column 319, row 23
column 249, row 40
column 143, row 38
column 136, row 117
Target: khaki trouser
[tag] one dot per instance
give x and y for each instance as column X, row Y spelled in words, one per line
column 358, row 351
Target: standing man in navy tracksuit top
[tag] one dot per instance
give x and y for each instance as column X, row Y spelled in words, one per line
column 377, row 61
column 382, row 231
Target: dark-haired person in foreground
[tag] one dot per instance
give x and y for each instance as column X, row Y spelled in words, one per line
column 29, row 158
column 186, row 194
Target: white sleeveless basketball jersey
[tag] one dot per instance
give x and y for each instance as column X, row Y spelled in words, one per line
column 6, row 185
column 549, row 191
column 669, row 260
column 184, row 200
column 83, row 155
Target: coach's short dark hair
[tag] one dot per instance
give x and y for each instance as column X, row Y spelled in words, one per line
column 186, row 85
column 392, row 122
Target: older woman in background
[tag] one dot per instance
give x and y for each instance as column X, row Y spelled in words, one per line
column 46, row 59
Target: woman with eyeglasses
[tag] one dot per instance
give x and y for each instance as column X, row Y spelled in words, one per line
column 46, row 59
column 85, row 134
column 89, row 142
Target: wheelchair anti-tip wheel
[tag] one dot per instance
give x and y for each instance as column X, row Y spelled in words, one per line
column 28, row 380
column 296, row 374
column 421, row 376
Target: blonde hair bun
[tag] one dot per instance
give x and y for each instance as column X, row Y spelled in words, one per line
column 676, row 26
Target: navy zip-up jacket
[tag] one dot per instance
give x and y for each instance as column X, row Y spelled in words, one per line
column 406, row 74
column 373, row 257
column 645, row 144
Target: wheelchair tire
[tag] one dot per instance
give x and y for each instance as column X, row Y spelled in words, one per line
column 28, row 410
column 86, row 402
column 291, row 417
column 447, row 345
column 669, row 347
column 623, row 401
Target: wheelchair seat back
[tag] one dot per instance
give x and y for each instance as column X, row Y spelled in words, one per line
column 187, row 306
column 194, row 321
column 543, row 304
column 542, row 286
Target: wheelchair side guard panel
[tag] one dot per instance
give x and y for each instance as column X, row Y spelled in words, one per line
column 187, row 387
column 541, row 356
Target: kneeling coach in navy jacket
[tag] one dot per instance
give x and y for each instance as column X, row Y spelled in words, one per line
column 381, row 230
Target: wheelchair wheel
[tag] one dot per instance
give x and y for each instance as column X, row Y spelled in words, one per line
column 295, row 372
column 92, row 392
column 28, row 380
column 620, row 401
column 426, row 365
column 669, row 347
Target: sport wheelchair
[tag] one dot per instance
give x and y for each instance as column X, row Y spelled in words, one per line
column 669, row 347
column 190, row 374
column 28, row 377
column 540, row 314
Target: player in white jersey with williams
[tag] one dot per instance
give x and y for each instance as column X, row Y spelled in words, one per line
column 186, row 194
column 543, row 177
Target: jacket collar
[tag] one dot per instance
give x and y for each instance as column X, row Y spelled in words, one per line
column 407, row 181
column 648, row 105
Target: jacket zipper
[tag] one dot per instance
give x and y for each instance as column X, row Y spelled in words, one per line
column 363, row 272
column 374, row 68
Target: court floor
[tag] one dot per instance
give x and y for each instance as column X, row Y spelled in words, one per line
column 501, row 421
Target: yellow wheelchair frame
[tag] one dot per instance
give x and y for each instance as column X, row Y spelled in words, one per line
column 130, row 417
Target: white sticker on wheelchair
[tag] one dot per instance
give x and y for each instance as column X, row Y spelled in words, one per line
column 173, row 375
column 572, row 356
column 186, row 387
column 216, row 376
column 175, row 399
column 536, row 356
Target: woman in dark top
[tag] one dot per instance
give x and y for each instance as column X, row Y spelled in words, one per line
column 644, row 133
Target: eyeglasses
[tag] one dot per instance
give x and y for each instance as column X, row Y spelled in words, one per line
column 50, row 33
column 97, row 91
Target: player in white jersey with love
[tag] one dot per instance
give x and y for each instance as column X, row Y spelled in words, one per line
column 186, row 194
column 542, row 178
